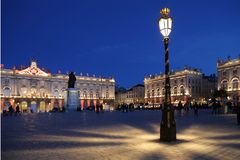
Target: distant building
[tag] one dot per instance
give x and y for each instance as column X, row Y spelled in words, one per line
column 209, row 84
column 134, row 95
column 229, row 78
column 186, row 85
column 33, row 88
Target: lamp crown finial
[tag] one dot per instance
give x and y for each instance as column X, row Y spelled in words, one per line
column 165, row 12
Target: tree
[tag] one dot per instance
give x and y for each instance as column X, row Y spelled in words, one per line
column 222, row 94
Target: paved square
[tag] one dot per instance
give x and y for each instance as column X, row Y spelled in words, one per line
column 116, row 135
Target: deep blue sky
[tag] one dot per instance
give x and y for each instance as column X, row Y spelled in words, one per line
column 118, row 38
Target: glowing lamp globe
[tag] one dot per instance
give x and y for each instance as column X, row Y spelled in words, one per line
column 165, row 23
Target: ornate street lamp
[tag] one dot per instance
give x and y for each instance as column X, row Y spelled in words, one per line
column 168, row 125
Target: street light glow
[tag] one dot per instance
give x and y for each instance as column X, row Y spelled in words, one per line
column 165, row 23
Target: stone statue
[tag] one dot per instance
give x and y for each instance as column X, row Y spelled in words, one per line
column 71, row 80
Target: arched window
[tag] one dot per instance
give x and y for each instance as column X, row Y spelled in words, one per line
column 23, row 90
column 91, row 94
column 224, row 85
column 235, row 84
column 6, row 91
column 158, row 92
column 153, row 93
column 84, row 94
column 107, row 94
column 97, row 93
column 33, row 91
column 175, row 90
column 55, row 93
column 163, row 91
column 42, row 91
column 148, row 94
column 182, row 91
column 64, row 92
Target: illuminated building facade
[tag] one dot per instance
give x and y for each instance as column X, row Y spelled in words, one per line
column 186, row 85
column 35, row 89
column 134, row 95
column 229, row 78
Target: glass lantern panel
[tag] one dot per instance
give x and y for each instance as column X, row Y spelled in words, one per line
column 161, row 24
column 165, row 26
column 170, row 23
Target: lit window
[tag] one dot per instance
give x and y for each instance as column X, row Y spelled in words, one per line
column 152, row 93
column 182, row 91
column 175, row 90
column 6, row 91
column 235, row 84
column 163, row 91
column 224, row 85
column 148, row 94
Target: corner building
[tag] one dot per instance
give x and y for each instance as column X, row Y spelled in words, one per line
column 186, row 85
column 229, row 78
column 34, row 89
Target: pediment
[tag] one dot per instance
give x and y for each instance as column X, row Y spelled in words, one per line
column 33, row 70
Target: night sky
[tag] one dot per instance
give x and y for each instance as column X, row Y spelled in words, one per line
column 118, row 38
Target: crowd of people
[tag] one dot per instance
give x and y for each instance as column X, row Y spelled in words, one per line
column 126, row 107
column 11, row 111
column 216, row 106
column 187, row 107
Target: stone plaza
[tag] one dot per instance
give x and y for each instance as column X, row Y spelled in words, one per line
column 116, row 135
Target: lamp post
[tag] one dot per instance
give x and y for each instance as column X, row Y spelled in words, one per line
column 168, row 125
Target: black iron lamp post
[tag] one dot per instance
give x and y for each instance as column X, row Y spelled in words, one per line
column 168, row 125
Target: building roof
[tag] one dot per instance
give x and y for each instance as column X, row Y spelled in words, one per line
column 138, row 85
column 186, row 70
column 227, row 63
column 33, row 70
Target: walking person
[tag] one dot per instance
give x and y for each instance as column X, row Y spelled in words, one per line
column 187, row 106
column 101, row 107
column 228, row 107
column 17, row 110
column 98, row 107
column 214, row 107
column 180, row 108
column 10, row 110
column 196, row 109
column 218, row 107
column 4, row 110
column 238, row 114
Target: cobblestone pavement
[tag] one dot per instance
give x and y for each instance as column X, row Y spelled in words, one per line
column 117, row 135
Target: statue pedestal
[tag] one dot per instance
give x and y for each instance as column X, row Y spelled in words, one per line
column 72, row 99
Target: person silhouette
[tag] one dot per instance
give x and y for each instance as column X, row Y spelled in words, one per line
column 180, row 106
column 17, row 110
column 195, row 109
column 238, row 114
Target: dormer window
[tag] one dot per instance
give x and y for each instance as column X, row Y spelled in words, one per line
column 235, row 72
column 224, row 73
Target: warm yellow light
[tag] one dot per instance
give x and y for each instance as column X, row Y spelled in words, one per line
column 165, row 23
